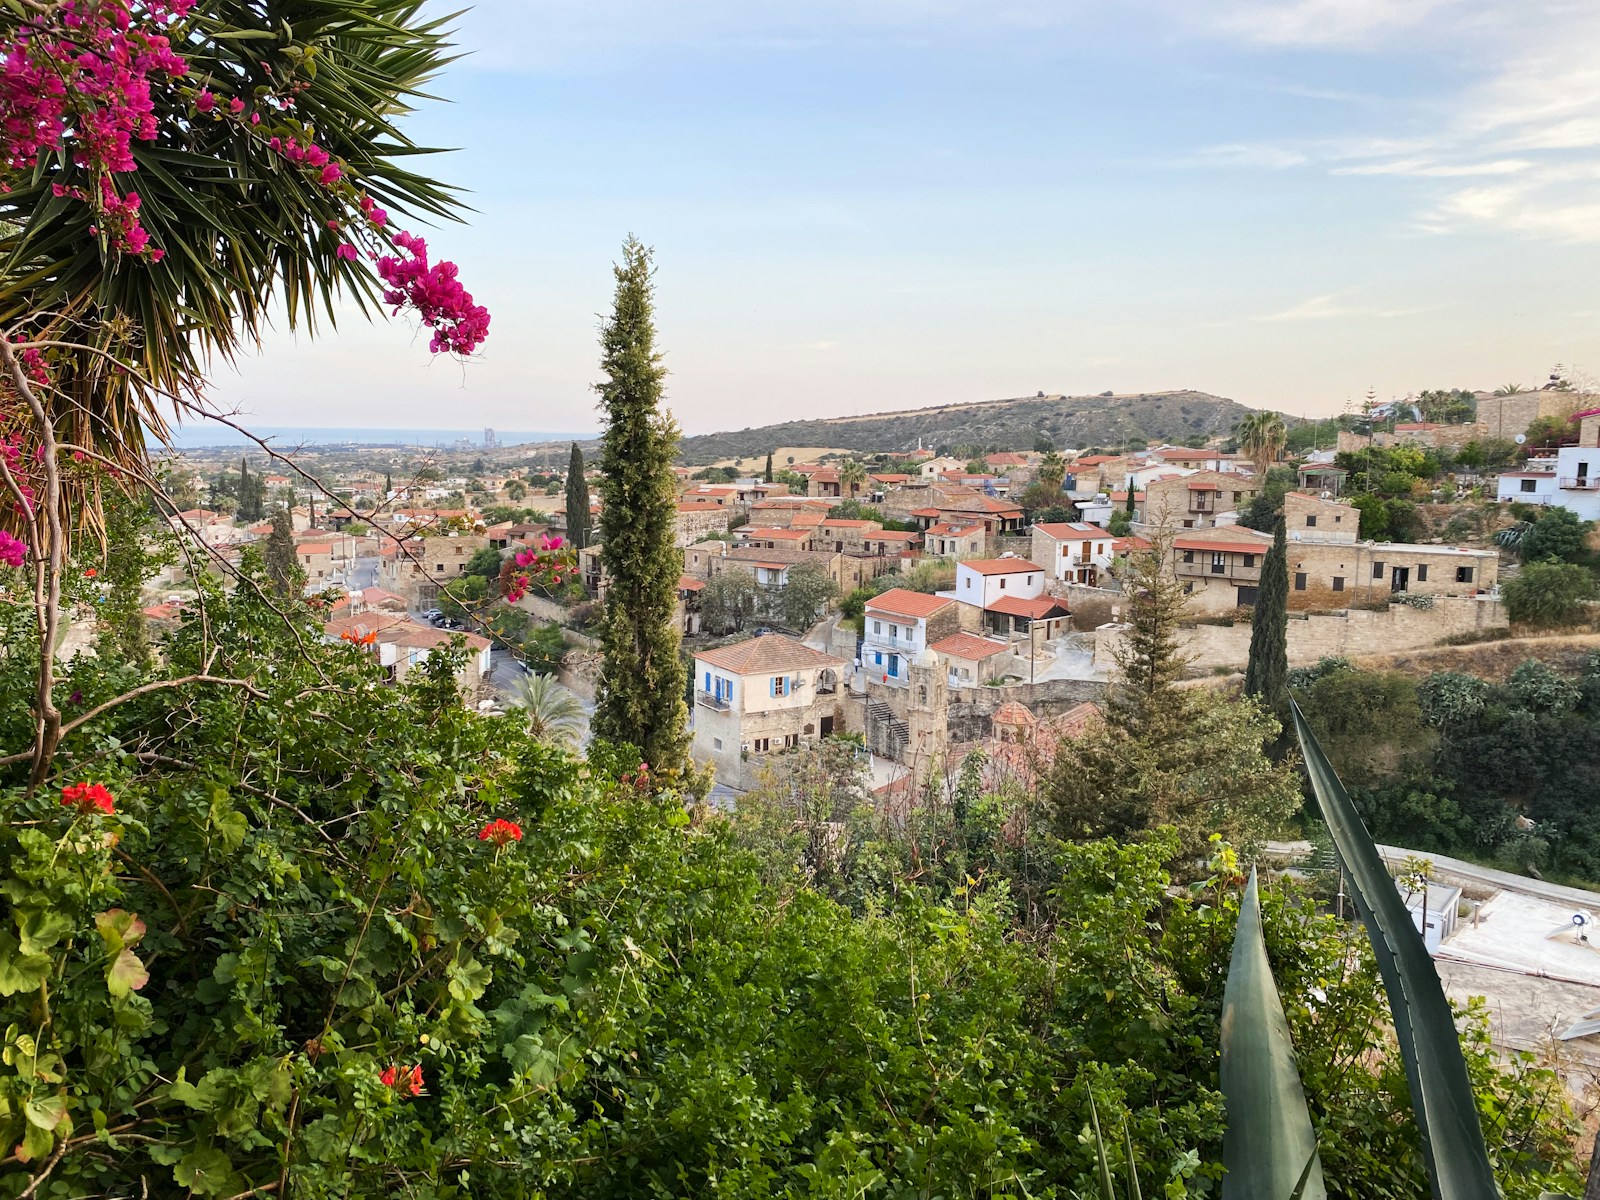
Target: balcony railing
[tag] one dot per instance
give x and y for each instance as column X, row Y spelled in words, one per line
column 1586, row 483
column 707, row 700
column 882, row 641
column 1231, row 569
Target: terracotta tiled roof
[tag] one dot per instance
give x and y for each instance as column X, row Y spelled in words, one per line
column 1000, row 566
column 924, row 512
column 314, row 548
column 767, row 654
column 1013, row 713
column 787, row 535
column 951, row 530
column 1036, row 609
column 986, row 504
column 903, row 602
column 688, row 583
column 967, row 645
column 842, row 523
column 1071, row 531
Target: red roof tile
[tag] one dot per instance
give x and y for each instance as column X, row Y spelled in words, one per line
column 1000, row 566
column 903, row 602
column 1036, row 609
column 967, row 645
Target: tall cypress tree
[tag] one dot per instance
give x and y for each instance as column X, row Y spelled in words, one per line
column 283, row 565
column 1266, row 676
column 642, row 679
column 577, row 500
column 769, row 466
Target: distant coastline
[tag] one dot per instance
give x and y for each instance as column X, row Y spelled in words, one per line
column 205, row 435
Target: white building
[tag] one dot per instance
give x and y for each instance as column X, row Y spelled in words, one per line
column 898, row 625
column 1575, row 483
column 985, row 581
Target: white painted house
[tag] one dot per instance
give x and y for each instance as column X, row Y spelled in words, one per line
column 985, row 581
column 1576, row 481
column 898, row 625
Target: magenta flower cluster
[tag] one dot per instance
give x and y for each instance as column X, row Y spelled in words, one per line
column 459, row 326
column 85, row 72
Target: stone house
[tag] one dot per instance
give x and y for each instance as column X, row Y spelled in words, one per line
column 316, row 560
column 416, row 567
column 696, row 518
column 760, row 697
column 948, row 539
column 1306, row 515
column 401, row 645
column 1072, row 551
column 1196, row 501
column 970, row 660
column 1221, row 570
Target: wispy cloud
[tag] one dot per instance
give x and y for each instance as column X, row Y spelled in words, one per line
column 1337, row 306
column 1323, row 22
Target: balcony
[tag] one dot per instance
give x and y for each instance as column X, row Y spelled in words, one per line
column 1231, row 569
column 707, row 700
column 1582, row 483
column 882, row 641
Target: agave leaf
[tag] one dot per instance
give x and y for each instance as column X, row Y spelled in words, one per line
column 1270, row 1148
column 1107, row 1190
column 1441, row 1091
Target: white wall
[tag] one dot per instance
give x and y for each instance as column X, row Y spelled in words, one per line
column 984, row 590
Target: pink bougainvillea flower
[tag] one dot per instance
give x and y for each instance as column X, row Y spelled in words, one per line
column 346, row 252
column 500, row 832
column 86, row 796
column 236, row 105
column 205, row 102
column 13, row 552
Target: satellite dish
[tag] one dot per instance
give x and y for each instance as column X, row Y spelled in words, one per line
column 1520, row 438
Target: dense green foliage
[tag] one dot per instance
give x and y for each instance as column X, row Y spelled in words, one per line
column 1450, row 764
column 643, row 678
column 283, row 563
column 1549, row 593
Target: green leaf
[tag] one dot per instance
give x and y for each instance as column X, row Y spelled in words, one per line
column 126, row 974
column 1441, row 1091
column 1269, row 1140
column 20, row 972
column 119, row 929
column 206, row 1172
column 41, row 928
column 46, row 1113
column 230, row 825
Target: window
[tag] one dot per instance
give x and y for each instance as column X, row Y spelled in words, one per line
column 1338, row 517
column 1249, row 560
column 1463, row 574
column 1377, row 570
column 1219, row 562
column 877, row 627
column 894, row 631
column 1338, row 583
column 1299, row 581
column 1311, row 521
column 877, row 658
column 969, row 581
column 778, row 686
column 439, row 570
column 1188, row 556
column 791, row 740
column 716, row 743
column 1422, row 573
column 1530, row 485
column 762, row 745
column 1002, row 583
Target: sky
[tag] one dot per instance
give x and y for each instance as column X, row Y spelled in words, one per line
column 859, row 205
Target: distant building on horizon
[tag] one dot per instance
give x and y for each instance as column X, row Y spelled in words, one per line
column 488, row 439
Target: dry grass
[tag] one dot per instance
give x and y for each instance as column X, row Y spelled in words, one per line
column 1490, row 660
column 780, row 458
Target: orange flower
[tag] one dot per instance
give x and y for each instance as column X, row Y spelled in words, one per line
column 407, row 1083
column 86, row 796
column 500, row 831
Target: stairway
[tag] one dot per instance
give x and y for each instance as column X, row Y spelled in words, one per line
column 886, row 733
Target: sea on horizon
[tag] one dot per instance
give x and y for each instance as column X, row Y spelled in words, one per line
column 205, row 435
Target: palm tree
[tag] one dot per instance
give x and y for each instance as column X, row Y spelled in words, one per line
column 555, row 714
column 1262, row 438
column 853, row 475
column 1508, row 389
column 1052, row 470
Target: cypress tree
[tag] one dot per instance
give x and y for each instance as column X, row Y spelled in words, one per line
column 1130, row 496
column 283, row 565
column 769, row 466
column 642, row 679
column 577, row 501
column 388, row 484
column 1267, row 675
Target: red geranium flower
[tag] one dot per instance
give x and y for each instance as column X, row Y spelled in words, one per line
column 500, row 831
column 408, row 1083
column 84, row 796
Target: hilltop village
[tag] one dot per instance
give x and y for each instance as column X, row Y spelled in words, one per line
column 923, row 603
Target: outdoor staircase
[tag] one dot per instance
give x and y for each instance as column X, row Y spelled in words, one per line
column 886, row 730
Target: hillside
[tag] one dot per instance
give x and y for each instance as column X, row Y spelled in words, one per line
column 1008, row 424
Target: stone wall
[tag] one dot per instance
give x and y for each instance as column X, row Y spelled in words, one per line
column 1091, row 607
column 1316, row 635
column 971, row 709
column 1507, row 416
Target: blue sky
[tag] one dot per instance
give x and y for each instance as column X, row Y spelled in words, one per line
column 890, row 203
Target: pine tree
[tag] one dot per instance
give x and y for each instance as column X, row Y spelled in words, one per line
column 577, row 501
column 283, row 565
column 1267, row 675
column 769, row 466
column 642, row 680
